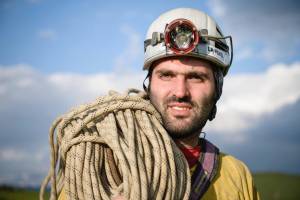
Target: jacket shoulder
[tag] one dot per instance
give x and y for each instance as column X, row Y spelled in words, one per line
column 233, row 181
column 233, row 165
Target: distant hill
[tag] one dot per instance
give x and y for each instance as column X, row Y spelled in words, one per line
column 278, row 186
column 271, row 186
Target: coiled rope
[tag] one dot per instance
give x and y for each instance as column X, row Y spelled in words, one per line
column 114, row 146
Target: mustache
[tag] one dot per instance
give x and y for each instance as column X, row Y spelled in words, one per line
column 174, row 99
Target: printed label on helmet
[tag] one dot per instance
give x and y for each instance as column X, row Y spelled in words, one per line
column 216, row 52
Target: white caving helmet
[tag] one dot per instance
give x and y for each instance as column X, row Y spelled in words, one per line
column 189, row 32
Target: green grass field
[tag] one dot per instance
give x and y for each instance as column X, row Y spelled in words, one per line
column 272, row 186
column 275, row 186
column 10, row 193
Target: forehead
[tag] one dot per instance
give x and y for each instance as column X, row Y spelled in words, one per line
column 183, row 65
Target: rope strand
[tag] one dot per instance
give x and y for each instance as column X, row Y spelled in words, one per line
column 115, row 146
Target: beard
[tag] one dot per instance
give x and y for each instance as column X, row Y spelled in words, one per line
column 183, row 127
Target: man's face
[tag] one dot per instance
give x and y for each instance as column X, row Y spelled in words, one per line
column 182, row 90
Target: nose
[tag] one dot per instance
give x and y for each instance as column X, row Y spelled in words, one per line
column 181, row 89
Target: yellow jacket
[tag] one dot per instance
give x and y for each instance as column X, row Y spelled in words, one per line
column 233, row 181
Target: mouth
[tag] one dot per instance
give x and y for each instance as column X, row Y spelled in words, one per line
column 179, row 109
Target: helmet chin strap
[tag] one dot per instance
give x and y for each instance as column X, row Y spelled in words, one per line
column 146, row 89
column 219, row 77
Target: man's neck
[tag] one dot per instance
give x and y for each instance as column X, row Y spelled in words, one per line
column 189, row 142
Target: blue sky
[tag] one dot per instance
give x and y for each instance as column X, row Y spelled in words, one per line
column 65, row 36
column 57, row 54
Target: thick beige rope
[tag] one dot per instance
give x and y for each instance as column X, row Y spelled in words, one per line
column 115, row 146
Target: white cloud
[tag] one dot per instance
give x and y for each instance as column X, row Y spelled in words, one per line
column 273, row 52
column 30, row 101
column 244, row 53
column 20, row 155
column 23, row 167
column 269, row 25
column 217, row 7
column 133, row 50
column 47, row 34
column 21, row 82
column 90, row 86
column 12, row 155
column 33, row 100
column 248, row 97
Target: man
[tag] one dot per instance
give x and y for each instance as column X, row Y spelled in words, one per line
column 186, row 56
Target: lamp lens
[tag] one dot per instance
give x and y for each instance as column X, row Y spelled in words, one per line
column 181, row 36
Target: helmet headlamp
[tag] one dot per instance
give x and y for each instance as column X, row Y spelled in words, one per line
column 181, row 36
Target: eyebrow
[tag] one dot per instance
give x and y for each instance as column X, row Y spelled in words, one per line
column 189, row 73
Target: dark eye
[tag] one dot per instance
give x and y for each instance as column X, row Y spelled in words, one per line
column 166, row 75
column 196, row 77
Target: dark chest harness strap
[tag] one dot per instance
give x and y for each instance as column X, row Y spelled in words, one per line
column 206, row 169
